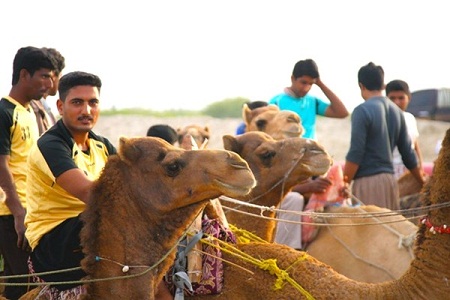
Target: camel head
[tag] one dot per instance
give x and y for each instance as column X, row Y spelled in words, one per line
column 200, row 134
column 270, row 119
column 289, row 161
column 179, row 177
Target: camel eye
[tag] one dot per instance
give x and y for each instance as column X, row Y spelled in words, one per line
column 173, row 169
column 261, row 124
column 292, row 119
column 267, row 156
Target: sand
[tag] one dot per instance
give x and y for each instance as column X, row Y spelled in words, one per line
column 333, row 134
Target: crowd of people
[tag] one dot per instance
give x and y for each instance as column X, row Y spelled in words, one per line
column 48, row 164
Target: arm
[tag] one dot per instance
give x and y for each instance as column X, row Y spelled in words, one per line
column 417, row 173
column 336, row 109
column 75, row 182
column 317, row 185
column 12, row 201
column 418, row 153
column 350, row 169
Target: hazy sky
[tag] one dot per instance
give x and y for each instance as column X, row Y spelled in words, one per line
column 188, row 54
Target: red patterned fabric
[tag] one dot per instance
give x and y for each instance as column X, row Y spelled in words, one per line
column 52, row 293
column 212, row 268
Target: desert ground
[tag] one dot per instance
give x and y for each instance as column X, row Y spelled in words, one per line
column 333, row 134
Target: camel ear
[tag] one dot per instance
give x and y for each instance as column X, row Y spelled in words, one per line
column 246, row 114
column 230, row 143
column 128, row 151
column 273, row 107
column 206, row 129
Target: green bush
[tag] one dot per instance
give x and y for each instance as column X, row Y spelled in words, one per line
column 228, row 108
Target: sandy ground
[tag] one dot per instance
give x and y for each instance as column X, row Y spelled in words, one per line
column 333, row 134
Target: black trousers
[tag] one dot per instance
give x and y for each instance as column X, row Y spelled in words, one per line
column 14, row 259
column 60, row 249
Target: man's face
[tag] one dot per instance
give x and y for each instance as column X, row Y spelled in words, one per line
column 54, row 89
column 302, row 85
column 400, row 98
column 81, row 108
column 39, row 84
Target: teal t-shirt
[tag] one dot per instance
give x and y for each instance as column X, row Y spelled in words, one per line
column 307, row 107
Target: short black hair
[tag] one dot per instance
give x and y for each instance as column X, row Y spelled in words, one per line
column 307, row 67
column 77, row 78
column 371, row 77
column 256, row 104
column 31, row 59
column 398, row 85
column 164, row 132
column 59, row 59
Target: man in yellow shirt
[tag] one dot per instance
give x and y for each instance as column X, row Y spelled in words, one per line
column 32, row 78
column 62, row 167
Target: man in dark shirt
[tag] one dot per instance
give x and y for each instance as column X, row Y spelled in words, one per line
column 378, row 125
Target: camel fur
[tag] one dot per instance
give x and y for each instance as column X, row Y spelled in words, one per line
column 427, row 277
column 372, row 253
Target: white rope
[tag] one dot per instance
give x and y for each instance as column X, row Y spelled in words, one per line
column 314, row 215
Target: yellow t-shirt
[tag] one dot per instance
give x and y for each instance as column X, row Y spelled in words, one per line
column 18, row 132
column 48, row 204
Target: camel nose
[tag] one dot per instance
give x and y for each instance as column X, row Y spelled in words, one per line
column 236, row 161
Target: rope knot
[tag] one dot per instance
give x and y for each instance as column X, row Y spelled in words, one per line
column 271, row 266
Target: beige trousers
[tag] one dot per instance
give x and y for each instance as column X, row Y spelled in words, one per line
column 290, row 234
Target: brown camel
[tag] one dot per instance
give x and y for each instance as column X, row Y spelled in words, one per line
column 372, row 253
column 145, row 199
column 427, row 277
column 277, row 166
column 200, row 134
column 270, row 119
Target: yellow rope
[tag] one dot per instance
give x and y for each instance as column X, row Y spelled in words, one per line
column 244, row 237
column 269, row 265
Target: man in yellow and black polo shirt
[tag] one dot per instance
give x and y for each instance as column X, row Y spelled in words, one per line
column 32, row 78
column 61, row 170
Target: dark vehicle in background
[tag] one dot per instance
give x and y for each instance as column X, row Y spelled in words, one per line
column 431, row 104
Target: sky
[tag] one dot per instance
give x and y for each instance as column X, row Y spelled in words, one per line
column 182, row 54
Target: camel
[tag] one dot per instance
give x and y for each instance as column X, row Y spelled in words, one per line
column 427, row 277
column 277, row 165
column 144, row 200
column 199, row 133
column 270, row 119
column 372, row 253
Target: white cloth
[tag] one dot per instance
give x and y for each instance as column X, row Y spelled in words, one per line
column 290, row 234
column 413, row 132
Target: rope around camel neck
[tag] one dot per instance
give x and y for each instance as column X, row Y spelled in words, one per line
column 325, row 215
column 97, row 258
column 269, row 265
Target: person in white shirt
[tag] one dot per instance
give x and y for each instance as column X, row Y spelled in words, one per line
column 398, row 92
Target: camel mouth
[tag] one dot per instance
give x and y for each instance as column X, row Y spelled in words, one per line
column 236, row 190
column 240, row 165
column 318, row 168
column 292, row 134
